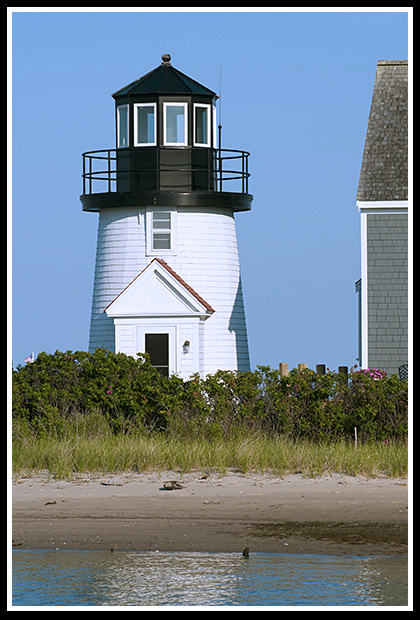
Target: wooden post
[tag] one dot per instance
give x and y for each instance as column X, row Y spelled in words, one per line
column 302, row 367
column 284, row 369
column 320, row 369
column 343, row 370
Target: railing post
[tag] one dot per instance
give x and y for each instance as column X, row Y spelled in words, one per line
column 84, row 177
column 246, row 183
column 90, row 175
column 109, row 171
column 131, row 169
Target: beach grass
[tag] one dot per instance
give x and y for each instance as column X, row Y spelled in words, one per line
column 108, row 453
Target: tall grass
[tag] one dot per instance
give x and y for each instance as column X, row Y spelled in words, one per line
column 106, row 453
column 77, row 412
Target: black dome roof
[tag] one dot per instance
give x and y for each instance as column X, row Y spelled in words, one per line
column 165, row 80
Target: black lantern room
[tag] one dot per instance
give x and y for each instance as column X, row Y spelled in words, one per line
column 167, row 150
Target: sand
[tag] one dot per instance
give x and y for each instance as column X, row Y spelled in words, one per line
column 331, row 514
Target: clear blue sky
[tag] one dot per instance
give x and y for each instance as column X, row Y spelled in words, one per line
column 296, row 93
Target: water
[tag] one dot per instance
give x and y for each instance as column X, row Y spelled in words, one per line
column 99, row 578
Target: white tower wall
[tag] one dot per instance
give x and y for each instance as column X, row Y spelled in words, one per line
column 205, row 255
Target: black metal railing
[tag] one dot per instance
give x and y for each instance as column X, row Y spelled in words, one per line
column 116, row 170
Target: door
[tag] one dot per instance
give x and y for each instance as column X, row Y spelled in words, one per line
column 157, row 346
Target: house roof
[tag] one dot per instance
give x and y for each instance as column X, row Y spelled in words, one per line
column 384, row 170
column 166, row 80
column 206, row 306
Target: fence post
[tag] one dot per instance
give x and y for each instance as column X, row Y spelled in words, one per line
column 343, row 370
column 284, row 369
column 320, row 369
column 302, row 367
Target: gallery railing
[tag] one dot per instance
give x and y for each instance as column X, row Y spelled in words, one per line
column 128, row 169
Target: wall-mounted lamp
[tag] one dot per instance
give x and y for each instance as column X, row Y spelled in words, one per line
column 186, row 346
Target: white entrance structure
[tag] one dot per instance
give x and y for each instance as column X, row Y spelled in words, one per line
column 159, row 311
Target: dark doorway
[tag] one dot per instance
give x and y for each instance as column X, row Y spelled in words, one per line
column 157, row 346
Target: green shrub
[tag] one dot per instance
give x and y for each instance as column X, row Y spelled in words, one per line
column 128, row 392
column 378, row 407
column 63, row 391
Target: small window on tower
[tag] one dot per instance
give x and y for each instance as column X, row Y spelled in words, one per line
column 161, row 233
column 161, row 230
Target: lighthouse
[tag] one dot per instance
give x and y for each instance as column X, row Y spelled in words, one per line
column 167, row 278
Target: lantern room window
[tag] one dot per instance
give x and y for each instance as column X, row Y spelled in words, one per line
column 175, row 124
column 122, row 126
column 201, row 124
column 145, row 124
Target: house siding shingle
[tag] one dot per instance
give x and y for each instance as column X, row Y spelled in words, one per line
column 387, row 274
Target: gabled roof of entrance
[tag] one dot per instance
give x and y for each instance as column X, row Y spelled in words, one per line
column 158, row 291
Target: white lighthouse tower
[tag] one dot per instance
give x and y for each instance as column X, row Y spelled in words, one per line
column 167, row 274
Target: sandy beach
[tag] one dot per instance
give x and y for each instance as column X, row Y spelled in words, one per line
column 332, row 514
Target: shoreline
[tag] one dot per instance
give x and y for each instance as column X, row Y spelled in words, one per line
column 330, row 514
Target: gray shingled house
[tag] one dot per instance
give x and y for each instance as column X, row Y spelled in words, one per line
column 382, row 201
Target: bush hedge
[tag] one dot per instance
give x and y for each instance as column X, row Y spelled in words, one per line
column 66, row 388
